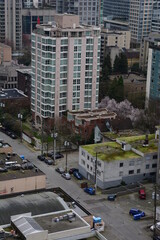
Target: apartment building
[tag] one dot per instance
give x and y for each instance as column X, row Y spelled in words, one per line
column 144, row 49
column 120, row 39
column 32, row 3
column 153, row 73
column 117, row 9
column 128, row 159
column 65, row 67
column 89, row 11
column 140, row 19
column 115, row 24
column 30, row 18
column 156, row 17
column 10, row 23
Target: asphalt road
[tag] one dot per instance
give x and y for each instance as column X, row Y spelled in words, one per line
column 119, row 225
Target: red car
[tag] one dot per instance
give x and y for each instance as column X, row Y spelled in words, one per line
column 142, row 194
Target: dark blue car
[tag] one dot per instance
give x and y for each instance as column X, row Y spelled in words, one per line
column 77, row 175
column 134, row 211
column 90, row 190
column 111, row 197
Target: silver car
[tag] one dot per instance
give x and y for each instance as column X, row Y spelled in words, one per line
column 67, row 176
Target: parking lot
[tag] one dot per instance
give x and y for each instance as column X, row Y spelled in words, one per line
column 122, row 204
column 119, row 225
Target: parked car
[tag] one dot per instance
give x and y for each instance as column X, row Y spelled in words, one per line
column 134, row 211
column 153, row 226
column 67, row 176
column 142, row 193
column 13, row 136
column 72, row 170
column 90, row 190
column 60, row 170
column 77, row 175
column 57, row 155
column 139, row 216
column 27, row 165
column 3, row 170
column 49, row 161
column 111, row 197
column 41, row 157
column 16, row 167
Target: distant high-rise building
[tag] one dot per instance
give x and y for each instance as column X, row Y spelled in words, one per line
column 117, row 9
column 140, row 19
column 32, row 3
column 11, row 23
column 51, row 3
column 89, row 11
column 65, row 67
column 153, row 74
column 156, row 17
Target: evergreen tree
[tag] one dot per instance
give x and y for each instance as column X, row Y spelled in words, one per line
column 116, row 68
column 116, row 89
column 123, row 63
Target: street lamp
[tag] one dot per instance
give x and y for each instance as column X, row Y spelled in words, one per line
column 2, row 105
column 67, row 145
column 54, row 135
column 95, row 177
column 20, row 117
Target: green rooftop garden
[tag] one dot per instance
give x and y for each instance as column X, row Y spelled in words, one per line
column 109, row 151
column 124, row 133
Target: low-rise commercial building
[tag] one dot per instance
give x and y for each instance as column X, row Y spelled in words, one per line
column 5, row 54
column 84, row 122
column 129, row 159
column 14, row 100
column 24, row 81
column 15, row 179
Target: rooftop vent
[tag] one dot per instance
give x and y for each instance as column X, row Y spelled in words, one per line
column 146, row 141
column 126, row 146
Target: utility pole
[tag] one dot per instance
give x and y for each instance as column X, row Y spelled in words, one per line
column 95, row 180
column 155, row 206
column 20, row 117
column 42, row 136
column 67, row 145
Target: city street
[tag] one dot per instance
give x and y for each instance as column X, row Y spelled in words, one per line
column 119, row 225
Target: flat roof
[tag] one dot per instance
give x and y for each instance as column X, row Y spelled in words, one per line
column 15, row 174
column 93, row 115
column 47, row 222
column 25, row 71
column 123, row 133
column 110, row 151
column 11, row 93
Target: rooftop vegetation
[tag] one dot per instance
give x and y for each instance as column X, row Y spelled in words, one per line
column 110, row 151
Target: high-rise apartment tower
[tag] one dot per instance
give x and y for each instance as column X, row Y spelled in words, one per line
column 11, row 23
column 65, row 67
